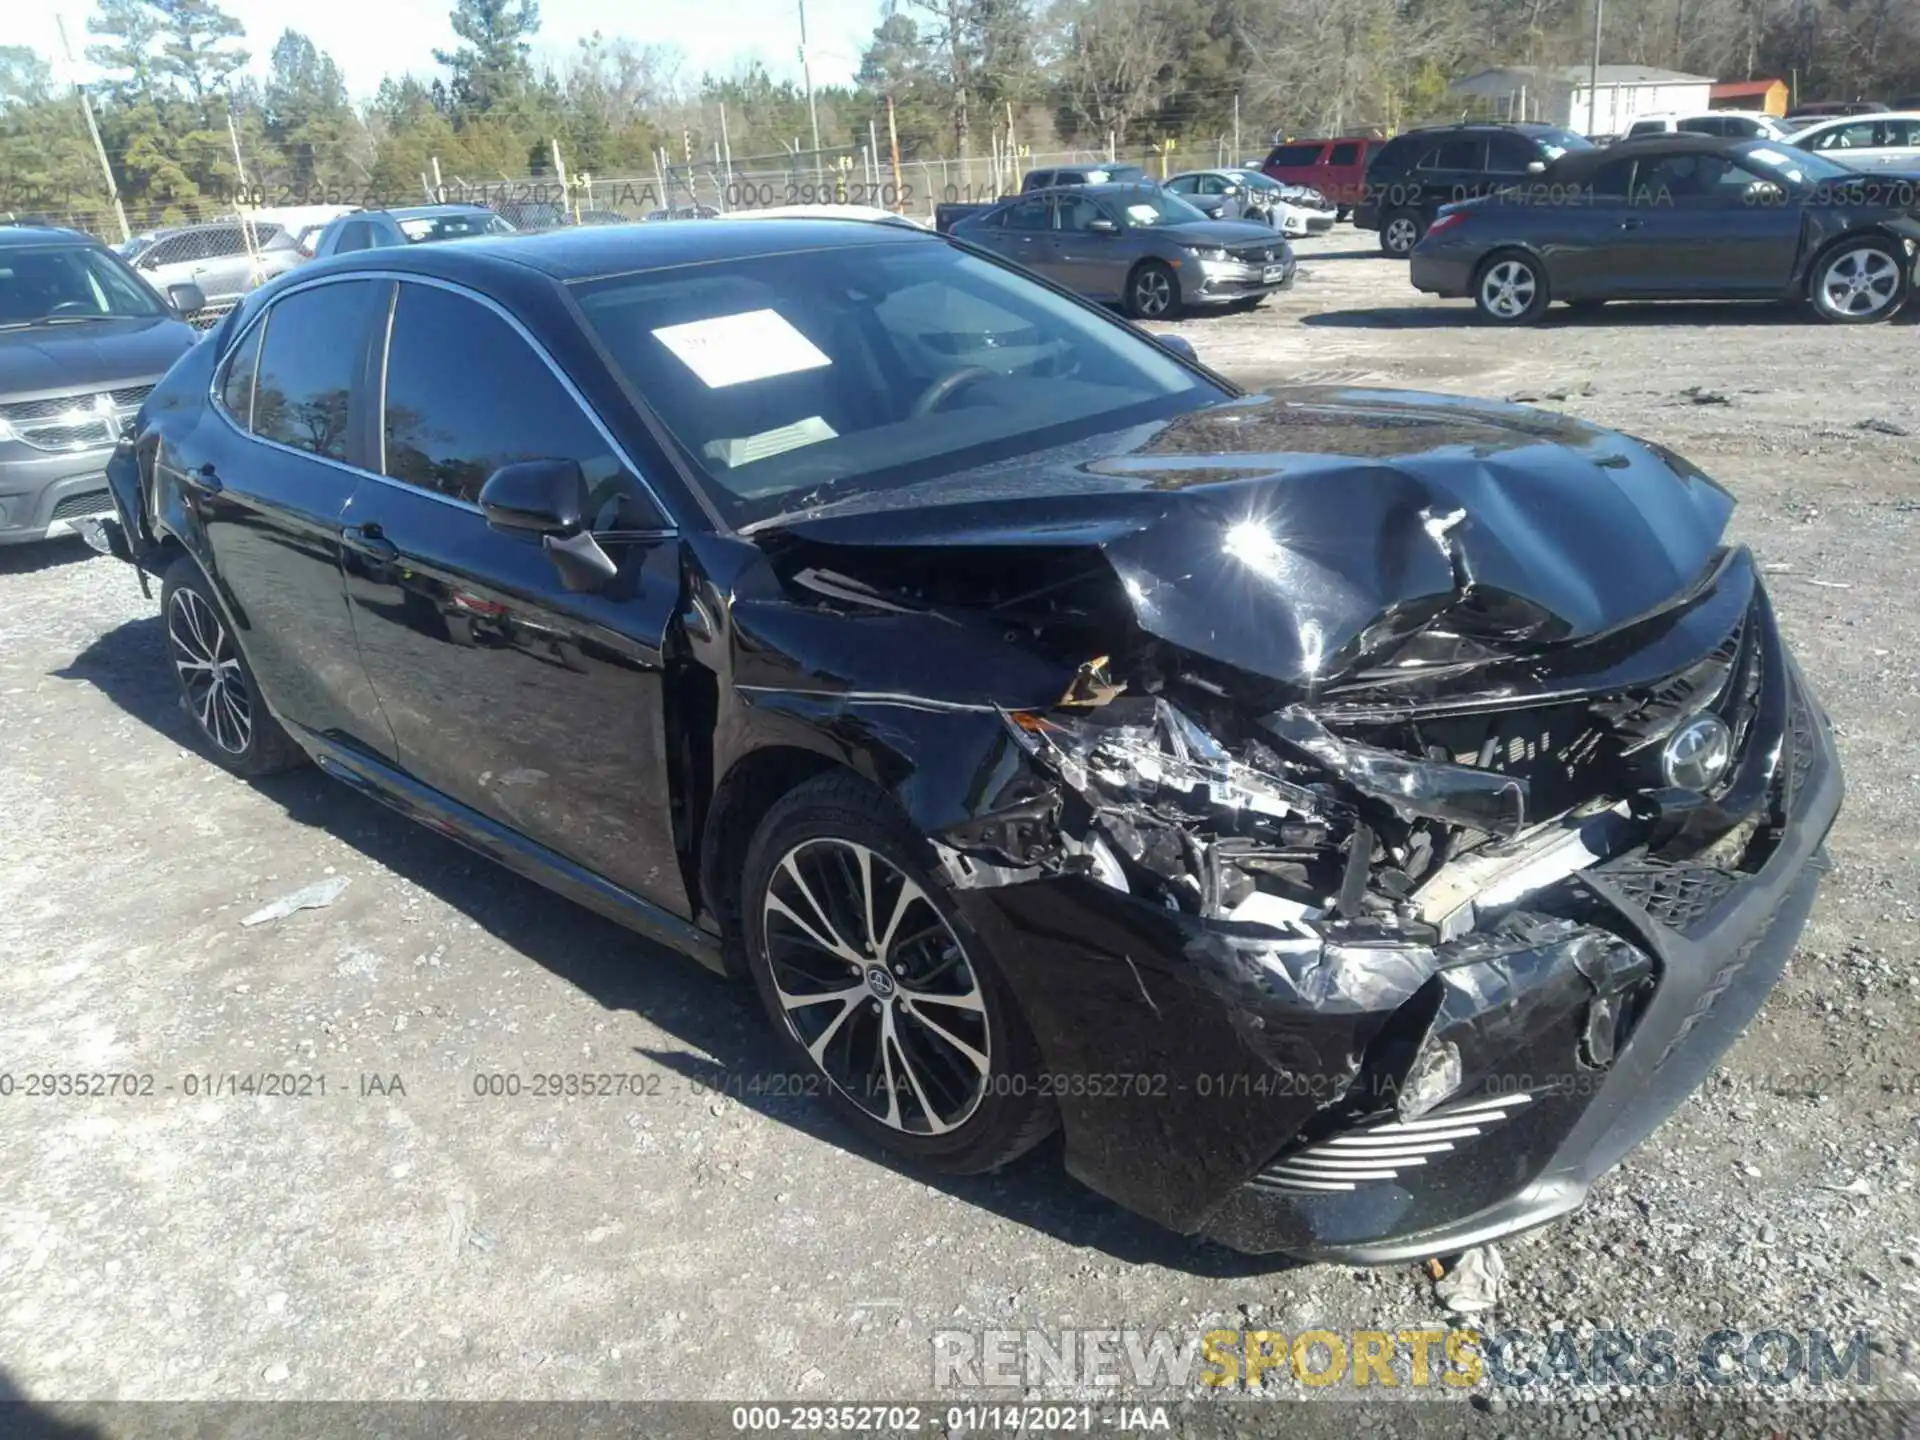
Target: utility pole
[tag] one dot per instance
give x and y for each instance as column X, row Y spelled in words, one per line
column 893, row 138
column 246, row 218
column 806, row 75
column 567, row 203
column 1237, row 156
column 93, row 129
column 1593, row 74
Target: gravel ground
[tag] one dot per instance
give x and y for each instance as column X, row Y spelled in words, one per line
column 401, row 1236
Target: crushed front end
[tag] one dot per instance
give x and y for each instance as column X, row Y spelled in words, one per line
column 1401, row 964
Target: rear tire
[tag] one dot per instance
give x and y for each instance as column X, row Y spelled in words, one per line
column 1400, row 231
column 1153, row 292
column 1510, row 288
column 914, row 1037
column 1861, row 281
column 217, row 688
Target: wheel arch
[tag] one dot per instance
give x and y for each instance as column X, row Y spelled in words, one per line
column 1817, row 256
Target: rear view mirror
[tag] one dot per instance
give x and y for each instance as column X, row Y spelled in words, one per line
column 1103, row 226
column 1179, row 345
column 548, row 498
column 186, row 298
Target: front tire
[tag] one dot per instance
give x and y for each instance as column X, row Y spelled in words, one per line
column 1400, row 231
column 878, row 987
column 217, row 688
column 1860, row 282
column 1511, row 289
column 1153, row 292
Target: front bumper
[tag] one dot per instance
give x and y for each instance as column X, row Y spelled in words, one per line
column 45, row 494
column 1192, row 1064
column 1222, row 282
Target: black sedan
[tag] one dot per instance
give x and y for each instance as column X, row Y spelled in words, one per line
column 1681, row 217
column 1354, row 818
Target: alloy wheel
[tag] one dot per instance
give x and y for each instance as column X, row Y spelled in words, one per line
column 1402, row 235
column 876, row 987
column 1152, row 292
column 210, row 675
column 1861, row 282
column 1508, row 289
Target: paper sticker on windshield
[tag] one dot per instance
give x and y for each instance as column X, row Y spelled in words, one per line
column 1143, row 214
column 733, row 349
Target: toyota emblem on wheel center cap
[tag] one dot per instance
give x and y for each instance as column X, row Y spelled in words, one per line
column 879, row 981
column 1697, row 755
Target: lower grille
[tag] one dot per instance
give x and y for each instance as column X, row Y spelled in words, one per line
column 1384, row 1149
column 1679, row 895
column 90, row 502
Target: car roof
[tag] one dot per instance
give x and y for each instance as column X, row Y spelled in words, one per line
column 1678, row 142
column 415, row 212
column 15, row 236
column 1825, row 122
column 587, row 252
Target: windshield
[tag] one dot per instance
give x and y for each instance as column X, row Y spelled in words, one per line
column 59, row 284
column 1145, row 209
column 1802, row 167
column 796, row 380
column 452, row 227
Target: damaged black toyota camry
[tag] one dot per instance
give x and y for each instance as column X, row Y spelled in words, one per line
column 1354, row 818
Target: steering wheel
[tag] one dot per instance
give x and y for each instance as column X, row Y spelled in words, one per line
column 935, row 394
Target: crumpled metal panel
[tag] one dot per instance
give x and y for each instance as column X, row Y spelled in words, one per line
column 1293, row 536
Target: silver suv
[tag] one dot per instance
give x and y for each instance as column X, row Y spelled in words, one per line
column 214, row 257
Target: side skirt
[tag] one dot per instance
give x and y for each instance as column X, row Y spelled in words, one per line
column 376, row 778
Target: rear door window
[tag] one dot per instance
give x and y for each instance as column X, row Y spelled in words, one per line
column 1466, row 153
column 236, row 381
column 313, row 348
column 1344, row 154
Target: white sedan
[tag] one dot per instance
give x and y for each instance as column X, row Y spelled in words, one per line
column 1866, row 142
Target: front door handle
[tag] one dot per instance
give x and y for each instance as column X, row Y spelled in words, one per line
column 369, row 540
column 1631, row 224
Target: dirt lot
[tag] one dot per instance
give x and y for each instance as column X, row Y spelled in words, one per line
column 402, row 1236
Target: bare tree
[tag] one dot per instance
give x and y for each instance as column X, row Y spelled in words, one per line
column 1114, row 61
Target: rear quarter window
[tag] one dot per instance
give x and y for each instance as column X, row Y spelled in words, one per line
column 1294, row 155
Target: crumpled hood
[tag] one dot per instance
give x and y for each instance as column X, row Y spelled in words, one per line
column 1296, row 534
column 59, row 359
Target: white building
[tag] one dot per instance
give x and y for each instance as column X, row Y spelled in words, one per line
column 1563, row 95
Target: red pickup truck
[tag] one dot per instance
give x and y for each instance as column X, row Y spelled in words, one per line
column 1336, row 168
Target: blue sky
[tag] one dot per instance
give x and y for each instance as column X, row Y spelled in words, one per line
column 372, row 38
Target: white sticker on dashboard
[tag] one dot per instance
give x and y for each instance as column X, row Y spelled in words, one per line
column 733, row 349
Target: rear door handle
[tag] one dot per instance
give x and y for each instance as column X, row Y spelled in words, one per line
column 369, row 540
column 1631, row 224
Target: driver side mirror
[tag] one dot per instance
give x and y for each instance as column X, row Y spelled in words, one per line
column 1100, row 225
column 1179, row 345
column 548, row 498
column 186, row 298
column 1536, row 167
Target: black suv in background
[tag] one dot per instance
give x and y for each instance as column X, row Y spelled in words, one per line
column 1413, row 175
column 82, row 341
